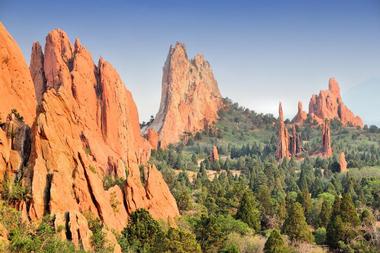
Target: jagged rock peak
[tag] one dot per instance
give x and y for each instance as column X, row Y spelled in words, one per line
column 301, row 116
column 329, row 105
column 190, row 97
column 283, row 136
column 16, row 85
column 87, row 129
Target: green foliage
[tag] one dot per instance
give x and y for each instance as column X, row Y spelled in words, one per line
column 143, row 233
column 98, row 237
column 110, row 181
column 275, row 243
column 13, row 192
column 248, row 211
column 17, row 115
column 295, row 225
column 179, row 241
column 320, row 236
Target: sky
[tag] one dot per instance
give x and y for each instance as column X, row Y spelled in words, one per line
column 261, row 52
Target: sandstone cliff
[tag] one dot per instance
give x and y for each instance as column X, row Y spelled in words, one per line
column 16, row 85
column 84, row 152
column 17, row 109
column 190, row 97
column 329, row 105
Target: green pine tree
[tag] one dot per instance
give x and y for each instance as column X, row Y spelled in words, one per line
column 295, row 225
column 275, row 243
column 248, row 211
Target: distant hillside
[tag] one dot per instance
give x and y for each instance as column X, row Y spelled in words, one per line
column 364, row 100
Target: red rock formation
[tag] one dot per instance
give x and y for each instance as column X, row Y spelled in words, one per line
column 87, row 129
column 326, row 139
column 16, row 85
column 295, row 142
column 329, row 105
column 214, row 154
column 342, row 162
column 152, row 137
column 301, row 116
column 190, row 96
column 283, row 137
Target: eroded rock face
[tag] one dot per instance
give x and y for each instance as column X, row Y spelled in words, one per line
column 15, row 145
column 295, row 142
column 301, row 115
column 214, row 154
column 87, row 130
column 342, row 162
column 329, row 105
column 152, row 137
column 16, row 85
column 283, row 136
column 190, row 97
column 326, row 139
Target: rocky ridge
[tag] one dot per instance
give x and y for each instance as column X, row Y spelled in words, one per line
column 328, row 104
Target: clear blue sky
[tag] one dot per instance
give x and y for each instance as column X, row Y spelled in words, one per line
column 261, row 51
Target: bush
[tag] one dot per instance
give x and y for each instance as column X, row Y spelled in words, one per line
column 320, row 236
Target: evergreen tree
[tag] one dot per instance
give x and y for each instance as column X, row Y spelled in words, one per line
column 325, row 214
column 248, row 211
column 348, row 210
column 305, row 200
column 295, row 225
column 143, row 233
column 275, row 243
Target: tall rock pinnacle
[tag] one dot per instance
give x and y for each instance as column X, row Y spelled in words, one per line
column 301, row 115
column 283, row 136
column 190, row 97
column 329, row 105
column 326, row 139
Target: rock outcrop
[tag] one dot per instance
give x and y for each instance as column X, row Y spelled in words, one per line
column 214, row 154
column 283, row 136
column 86, row 136
column 301, row 115
column 326, row 139
column 16, row 85
column 342, row 162
column 295, row 142
column 329, row 105
column 152, row 137
column 190, row 97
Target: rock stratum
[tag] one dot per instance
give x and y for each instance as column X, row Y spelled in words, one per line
column 328, row 104
column 190, row 97
column 85, row 130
